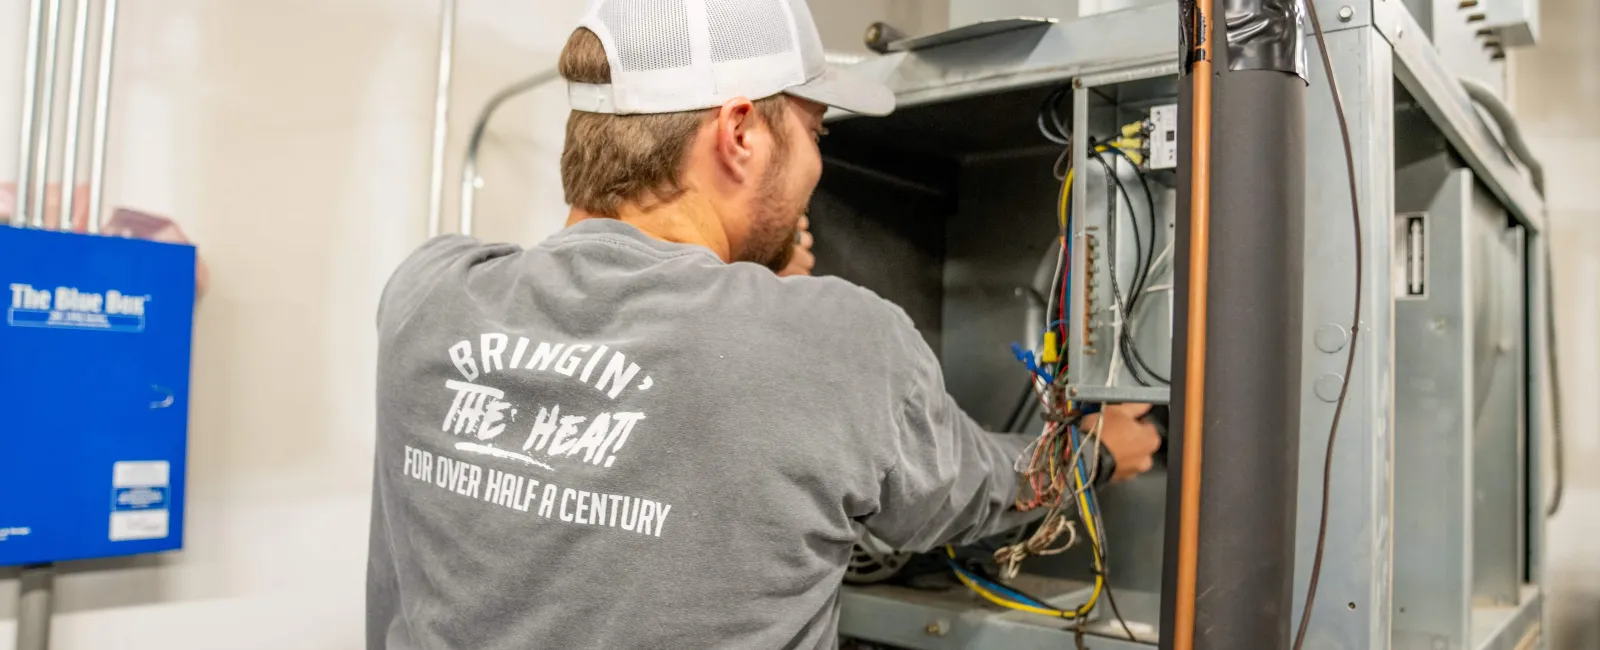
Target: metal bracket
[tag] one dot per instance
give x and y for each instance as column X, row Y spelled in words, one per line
column 969, row 32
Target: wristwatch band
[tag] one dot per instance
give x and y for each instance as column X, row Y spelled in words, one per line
column 1106, row 467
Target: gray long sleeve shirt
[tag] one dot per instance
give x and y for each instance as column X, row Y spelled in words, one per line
column 610, row 441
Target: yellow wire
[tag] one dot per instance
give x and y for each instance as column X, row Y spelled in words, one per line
column 1130, row 148
column 1082, row 493
column 1066, row 194
column 1094, row 540
column 1003, row 602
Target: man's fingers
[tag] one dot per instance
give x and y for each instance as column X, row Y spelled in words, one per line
column 800, row 264
column 1135, row 411
column 806, row 240
column 1151, row 438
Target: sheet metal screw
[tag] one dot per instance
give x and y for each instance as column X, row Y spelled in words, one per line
column 1347, row 13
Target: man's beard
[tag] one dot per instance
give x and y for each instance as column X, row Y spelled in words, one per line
column 773, row 226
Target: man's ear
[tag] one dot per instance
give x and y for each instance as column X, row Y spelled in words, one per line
column 735, row 122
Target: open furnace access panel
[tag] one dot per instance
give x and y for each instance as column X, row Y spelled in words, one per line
column 955, row 211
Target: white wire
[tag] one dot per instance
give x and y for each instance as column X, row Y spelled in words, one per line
column 1055, row 283
column 1156, row 267
column 1116, row 324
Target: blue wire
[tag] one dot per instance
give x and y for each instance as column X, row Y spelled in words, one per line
column 997, row 587
column 1094, row 507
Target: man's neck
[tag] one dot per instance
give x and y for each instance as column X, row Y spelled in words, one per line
column 687, row 220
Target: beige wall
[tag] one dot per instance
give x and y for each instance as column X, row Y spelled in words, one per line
column 290, row 137
column 1556, row 93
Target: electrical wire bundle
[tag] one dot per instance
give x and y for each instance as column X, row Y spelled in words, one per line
column 1130, row 145
column 1061, row 467
column 1146, row 260
column 1072, row 445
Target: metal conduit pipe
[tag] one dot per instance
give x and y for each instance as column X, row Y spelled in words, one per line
column 33, row 608
column 470, row 180
column 102, row 118
column 441, row 116
column 69, row 161
column 1484, row 96
column 46, row 104
column 30, row 101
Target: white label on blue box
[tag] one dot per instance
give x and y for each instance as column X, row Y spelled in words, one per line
column 73, row 308
column 139, row 493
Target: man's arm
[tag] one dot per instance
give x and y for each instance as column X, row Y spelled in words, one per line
column 949, row 481
column 952, row 482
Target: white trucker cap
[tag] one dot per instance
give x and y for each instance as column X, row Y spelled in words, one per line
column 671, row 56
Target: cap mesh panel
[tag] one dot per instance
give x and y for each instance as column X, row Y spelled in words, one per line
column 746, row 29
column 649, row 34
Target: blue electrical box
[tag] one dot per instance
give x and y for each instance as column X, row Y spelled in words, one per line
column 94, row 395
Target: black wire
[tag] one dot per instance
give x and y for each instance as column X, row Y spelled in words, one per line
column 1095, row 547
column 1054, row 130
column 1028, row 415
column 1111, row 599
column 1112, row 224
column 1050, row 109
column 1138, row 367
column 1350, row 363
column 1150, row 201
column 1018, row 414
column 1141, row 262
column 1061, row 135
column 1129, row 345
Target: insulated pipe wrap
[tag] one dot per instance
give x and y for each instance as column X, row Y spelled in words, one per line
column 1248, row 496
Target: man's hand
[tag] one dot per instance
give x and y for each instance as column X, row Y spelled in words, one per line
column 1132, row 441
column 803, row 261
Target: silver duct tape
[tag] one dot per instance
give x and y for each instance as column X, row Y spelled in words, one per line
column 1189, row 34
column 1266, row 35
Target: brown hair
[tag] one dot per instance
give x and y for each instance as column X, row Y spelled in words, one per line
column 612, row 160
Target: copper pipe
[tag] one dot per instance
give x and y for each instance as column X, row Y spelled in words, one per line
column 1195, row 364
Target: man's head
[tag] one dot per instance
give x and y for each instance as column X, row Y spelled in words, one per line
column 664, row 118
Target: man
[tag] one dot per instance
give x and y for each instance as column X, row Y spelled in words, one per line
column 636, row 434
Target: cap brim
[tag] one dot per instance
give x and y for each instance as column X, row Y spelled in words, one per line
column 848, row 91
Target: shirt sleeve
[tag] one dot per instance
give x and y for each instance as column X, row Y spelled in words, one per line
column 950, row 481
column 416, row 277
